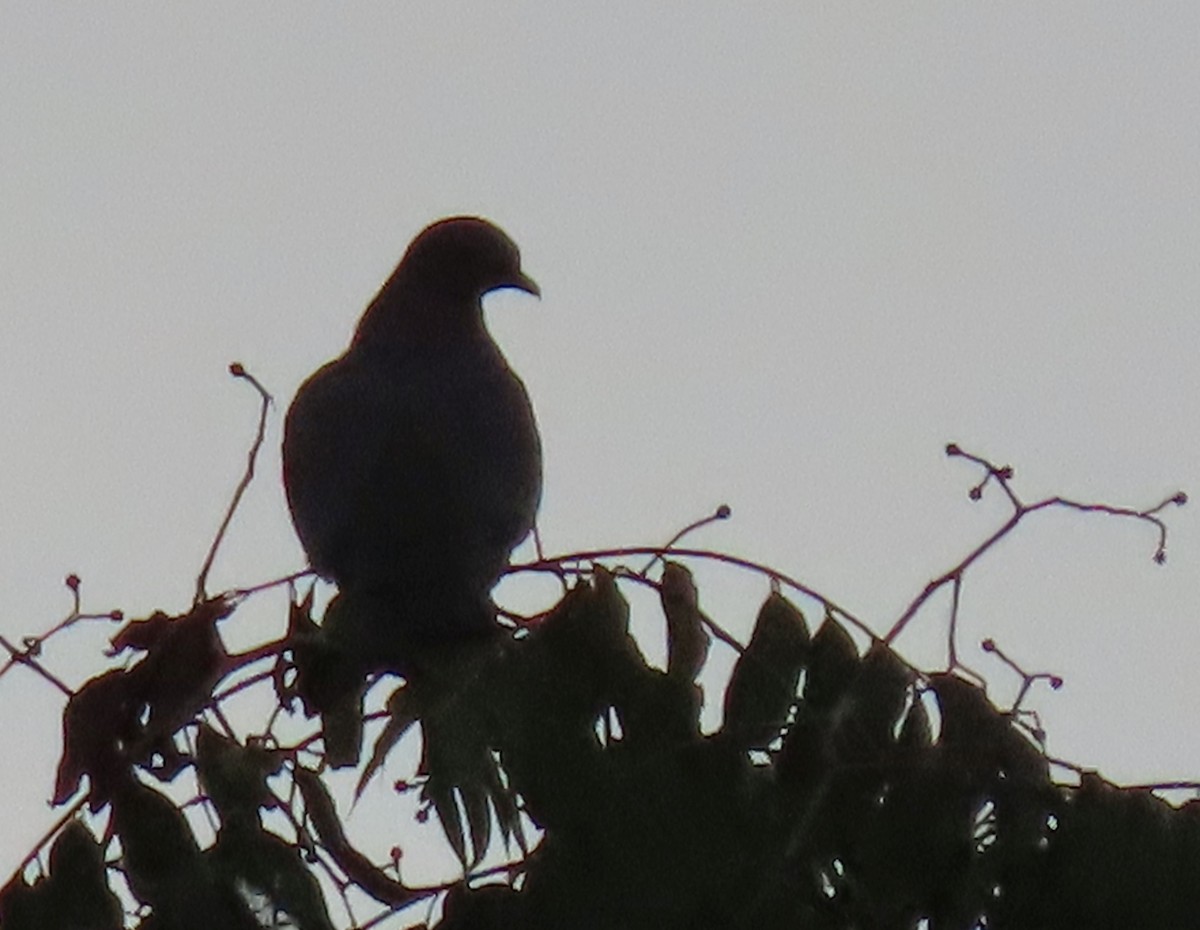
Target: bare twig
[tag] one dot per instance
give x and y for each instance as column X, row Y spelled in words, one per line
column 723, row 512
column 1027, row 678
column 238, row 371
column 23, row 657
column 1002, row 475
column 238, row 594
column 559, row 563
column 33, row 644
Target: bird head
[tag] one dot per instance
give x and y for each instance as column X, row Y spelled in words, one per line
column 435, row 291
column 465, row 256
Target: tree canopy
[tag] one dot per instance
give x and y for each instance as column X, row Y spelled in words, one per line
column 577, row 787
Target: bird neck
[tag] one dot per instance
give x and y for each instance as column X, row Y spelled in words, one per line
column 404, row 321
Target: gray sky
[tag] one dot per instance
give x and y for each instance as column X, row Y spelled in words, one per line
column 786, row 256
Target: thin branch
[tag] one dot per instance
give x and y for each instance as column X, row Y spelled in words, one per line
column 1002, row 475
column 22, row 657
column 1027, row 678
column 238, row 371
column 557, row 563
column 936, row 584
column 952, row 651
column 718, row 631
column 723, row 512
column 33, row 644
column 238, row 594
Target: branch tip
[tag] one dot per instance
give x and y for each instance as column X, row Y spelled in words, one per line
column 238, row 370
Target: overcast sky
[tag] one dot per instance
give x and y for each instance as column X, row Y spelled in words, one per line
column 786, row 256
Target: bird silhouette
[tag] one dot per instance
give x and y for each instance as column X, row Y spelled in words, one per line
column 412, row 463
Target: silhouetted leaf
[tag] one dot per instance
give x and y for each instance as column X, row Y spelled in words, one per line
column 401, row 716
column 165, row 868
column 97, row 721
column 763, row 685
column 322, row 814
column 75, row 894
column 873, row 705
column 832, row 665
column 444, row 798
column 858, row 818
column 342, row 728
column 476, row 804
column 507, row 813
column 916, row 731
column 125, row 716
column 451, row 692
column 687, row 640
column 805, row 757
column 255, row 860
column 234, row 776
column 983, row 741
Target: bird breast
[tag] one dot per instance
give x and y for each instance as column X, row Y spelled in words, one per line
column 414, row 469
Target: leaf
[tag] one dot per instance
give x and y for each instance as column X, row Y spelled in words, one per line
column 873, row 705
column 763, row 685
column 300, row 620
column 141, row 635
column 687, row 640
column 805, row 756
column 125, row 716
column 401, row 716
column 508, row 815
column 322, row 813
column 264, row 863
column 329, row 680
column 235, row 776
column 342, row 728
column 444, row 799
column 981, row 739
column 833, row 664
column 916, row 731
column 158, row 846
column 476, row 803
column 603, row 627
column 97, row 720
column 78, row 872
column 302, row 630
column 165, row 868
column 456, row 759
column 75, row 894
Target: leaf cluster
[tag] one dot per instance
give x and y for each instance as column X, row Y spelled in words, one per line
column 842, row 789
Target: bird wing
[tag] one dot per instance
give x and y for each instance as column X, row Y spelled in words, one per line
column 336, row 440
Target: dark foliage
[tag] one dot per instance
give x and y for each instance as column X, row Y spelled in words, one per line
column 842, row 790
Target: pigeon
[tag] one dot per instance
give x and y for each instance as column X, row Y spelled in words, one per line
column 412, row 464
